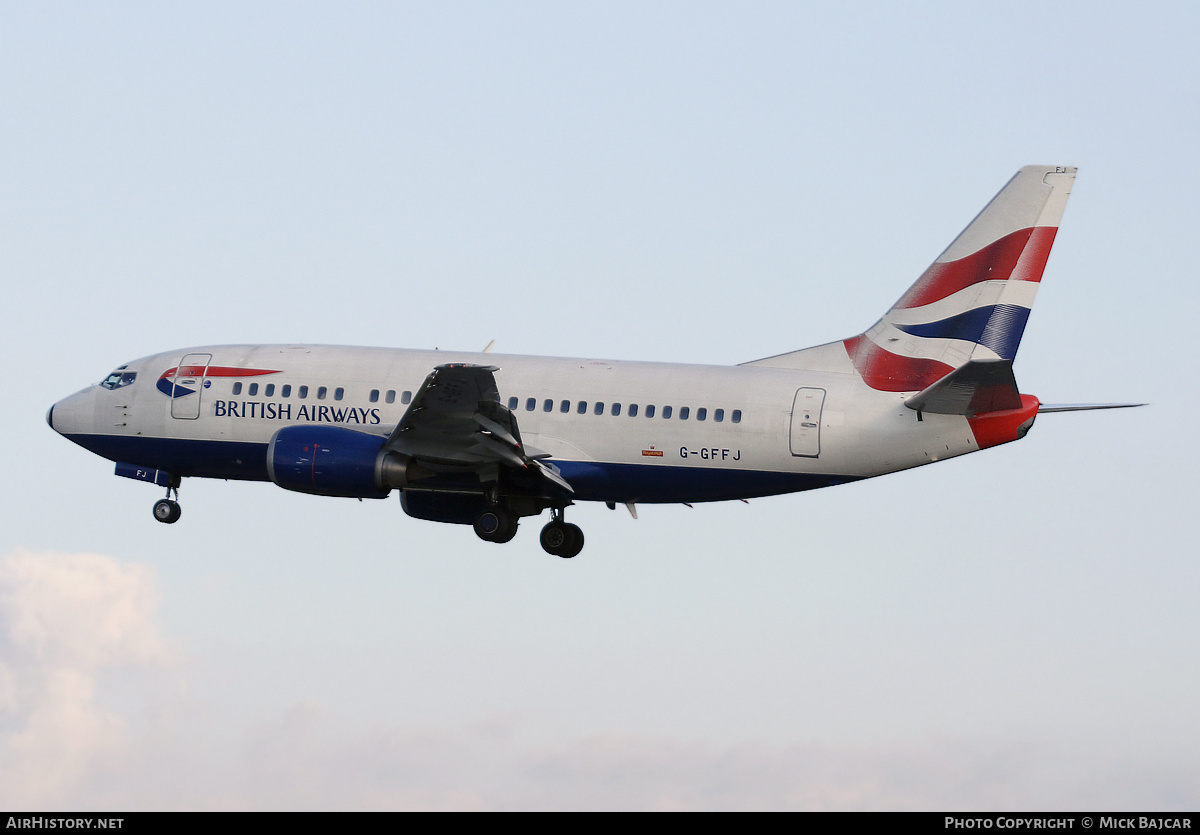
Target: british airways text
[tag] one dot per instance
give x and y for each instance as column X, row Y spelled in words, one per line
column 284, row 411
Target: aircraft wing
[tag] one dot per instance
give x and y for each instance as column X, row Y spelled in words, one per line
column 456, row 420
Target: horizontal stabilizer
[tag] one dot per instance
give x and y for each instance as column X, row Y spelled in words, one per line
column 1084, row 407
column 978, row 387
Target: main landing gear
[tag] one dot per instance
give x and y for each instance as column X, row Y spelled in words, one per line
column 560, row 538
column 499, row 524
column 496, row 524
column 167, row 510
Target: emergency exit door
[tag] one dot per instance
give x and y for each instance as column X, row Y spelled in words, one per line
column 806, row 422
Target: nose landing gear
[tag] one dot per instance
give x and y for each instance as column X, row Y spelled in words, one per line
column 167, row 510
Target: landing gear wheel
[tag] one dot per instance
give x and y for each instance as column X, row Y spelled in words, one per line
column 575, row 541
column 562, row 539
column 496, row 525
column 554, row 536
column 167, row 511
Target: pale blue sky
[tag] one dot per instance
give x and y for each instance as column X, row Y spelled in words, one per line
column 676, row 181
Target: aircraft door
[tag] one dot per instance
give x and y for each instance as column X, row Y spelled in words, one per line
column 187, row 386
column 806, row 422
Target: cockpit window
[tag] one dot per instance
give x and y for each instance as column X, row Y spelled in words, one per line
column 119, row 379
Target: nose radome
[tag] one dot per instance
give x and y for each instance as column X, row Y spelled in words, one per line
column 72, row 415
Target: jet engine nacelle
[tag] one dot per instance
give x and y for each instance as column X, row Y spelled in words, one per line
column 334, row 461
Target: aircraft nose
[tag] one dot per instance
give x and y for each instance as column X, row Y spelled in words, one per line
column 71, row 415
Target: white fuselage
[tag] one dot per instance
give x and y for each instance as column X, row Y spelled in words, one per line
column 645, row 432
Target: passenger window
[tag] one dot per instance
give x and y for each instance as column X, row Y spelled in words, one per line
column 582, row 407
column 269, row 391
column 633, row 410
column 286, row 391
column 321, row 392
column 564, row 406
column 684, row 411
column 531, row 404
column 406, row 397
column 719, row 415
column 374, row 398
column 650, row 411
column 512, row 403
column 666, row 412
column 237, row 388
column 736, row 416
column 338, row 393
column 303, row 392
column 390, row 397
column 701, row 413
column 616, row 409
column 548, row 406
column 253, row 389
column 599, row 410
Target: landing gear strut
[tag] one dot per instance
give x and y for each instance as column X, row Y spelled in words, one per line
column 560, row 538
column 496, row 524
column 167, row 510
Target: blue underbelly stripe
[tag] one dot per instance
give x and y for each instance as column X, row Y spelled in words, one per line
column 203, row 459
column 596, row 482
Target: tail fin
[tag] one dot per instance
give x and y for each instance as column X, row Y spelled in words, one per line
column 973, row 301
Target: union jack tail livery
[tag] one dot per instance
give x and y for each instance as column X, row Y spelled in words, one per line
column 973, row 301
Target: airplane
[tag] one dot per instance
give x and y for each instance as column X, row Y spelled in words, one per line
column 485, row 440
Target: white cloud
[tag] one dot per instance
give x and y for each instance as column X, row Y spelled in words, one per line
column 66, row 620
column 82, row 726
